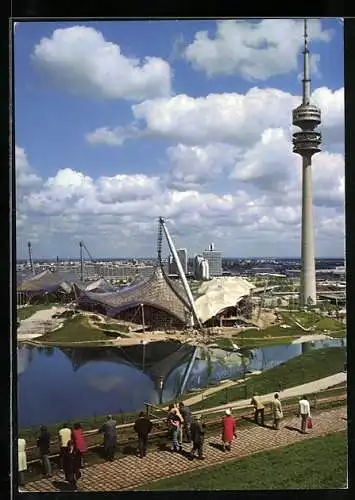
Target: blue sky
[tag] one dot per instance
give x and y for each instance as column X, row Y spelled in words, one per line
column 107, row 140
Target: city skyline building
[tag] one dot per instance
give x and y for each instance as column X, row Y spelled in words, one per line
column 201, row 268
column 182, row 254
column 214, row 259
column 306, row 143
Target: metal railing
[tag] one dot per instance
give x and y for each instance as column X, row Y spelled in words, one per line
column 94, row 438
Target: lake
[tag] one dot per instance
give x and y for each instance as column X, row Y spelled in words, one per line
column 57, row 384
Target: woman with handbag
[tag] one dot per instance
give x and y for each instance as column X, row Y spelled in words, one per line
column 276, row 412
column 305, row 414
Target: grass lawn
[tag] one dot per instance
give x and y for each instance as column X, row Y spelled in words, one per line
column 337, row 333
column 299, row 370
column 28, row 311
column 311, row 319
column 325, row 467
column 271, row 331
column 329, row 324
column 262, row 342
column 112, row 326
column 76, row 329
column 225, row 343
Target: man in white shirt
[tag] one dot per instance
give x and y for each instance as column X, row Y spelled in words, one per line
column 64, row 436
column 305, row 412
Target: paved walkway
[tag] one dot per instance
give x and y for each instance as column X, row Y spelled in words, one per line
column 298, row 390
column 130, row 472
column 196, row 398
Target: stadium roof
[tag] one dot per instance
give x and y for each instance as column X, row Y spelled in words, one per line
column 157, row 291
column 46, row 281
column 220, row 293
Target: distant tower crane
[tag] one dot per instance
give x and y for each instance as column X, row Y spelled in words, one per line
column 83, row 246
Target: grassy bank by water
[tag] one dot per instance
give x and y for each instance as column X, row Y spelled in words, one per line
column 77, row 329
column 299, row 370
column 324, row 468
column 312, row 320
column 226, row 343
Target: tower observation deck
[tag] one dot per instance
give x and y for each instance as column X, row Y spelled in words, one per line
column 306, row 143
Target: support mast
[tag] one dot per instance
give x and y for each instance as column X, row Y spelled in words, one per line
column 181, row 271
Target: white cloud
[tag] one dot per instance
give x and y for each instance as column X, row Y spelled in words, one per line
column 257, row 208
column 122, row 188
column 253, row 50
column 115, row 137
column 25, row 176
column 232, row 118
column 264, row 164
column 83, row 62
column 252, row 214
column 193, row 166
column 272, row 167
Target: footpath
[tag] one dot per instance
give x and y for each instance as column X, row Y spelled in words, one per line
column 298, row 390
column 131, row 472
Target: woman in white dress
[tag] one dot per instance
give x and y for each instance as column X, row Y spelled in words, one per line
column 22, row 460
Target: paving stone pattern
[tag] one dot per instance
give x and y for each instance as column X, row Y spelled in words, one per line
column 131, row 472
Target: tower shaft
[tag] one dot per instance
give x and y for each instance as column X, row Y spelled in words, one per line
column 308, row 272
column 306, row 143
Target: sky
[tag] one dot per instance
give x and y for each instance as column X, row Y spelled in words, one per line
column 120, row 122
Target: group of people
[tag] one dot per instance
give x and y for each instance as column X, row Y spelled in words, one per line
column 72, row 447
column 304, row 411
column 182, row 427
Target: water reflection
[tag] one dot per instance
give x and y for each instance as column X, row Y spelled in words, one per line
column 57, row 384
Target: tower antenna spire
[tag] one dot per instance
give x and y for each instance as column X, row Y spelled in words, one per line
column 306, row 74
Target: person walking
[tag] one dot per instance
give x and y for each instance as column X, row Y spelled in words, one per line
column 43, row 443
column 64, row 438
column 180, row 427
column 174, row 426
column 71, row 464
column 276, row 412
column 186, row 426
column 197, row 436
column 229, row 430
column 305, row 412
column 22, row 460
column 79, row 441
column 142, row 427
column 258, row 408
column 110, row 437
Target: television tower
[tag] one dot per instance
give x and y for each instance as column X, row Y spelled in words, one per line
column 306, row 143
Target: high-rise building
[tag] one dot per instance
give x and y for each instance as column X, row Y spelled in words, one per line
column 306, row 143
column 201, row 268
column 214, row 259
column 182, row 254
